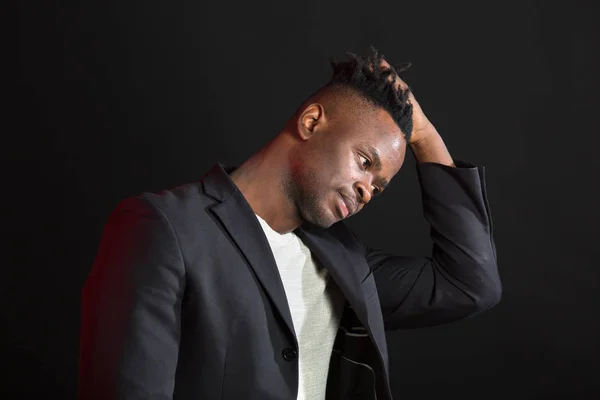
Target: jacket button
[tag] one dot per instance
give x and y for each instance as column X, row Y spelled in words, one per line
column 290, row 354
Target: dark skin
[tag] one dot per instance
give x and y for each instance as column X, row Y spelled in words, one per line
column 331, row 159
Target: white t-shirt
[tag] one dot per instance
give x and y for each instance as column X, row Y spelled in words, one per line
column 315, row 304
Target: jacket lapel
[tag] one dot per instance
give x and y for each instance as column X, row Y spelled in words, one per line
column 335, row 258
column 240, row 223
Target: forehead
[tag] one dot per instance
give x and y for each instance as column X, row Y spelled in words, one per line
column 378, row 131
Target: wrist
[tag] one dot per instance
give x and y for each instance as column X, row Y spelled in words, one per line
column 428, row 146
column 420, row 136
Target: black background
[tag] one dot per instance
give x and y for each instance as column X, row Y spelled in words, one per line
column 114, row 98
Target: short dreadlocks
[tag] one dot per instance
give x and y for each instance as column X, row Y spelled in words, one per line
column 363, row 75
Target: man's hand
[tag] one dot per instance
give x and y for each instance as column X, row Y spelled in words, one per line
column 425, row 141
column 421, row 125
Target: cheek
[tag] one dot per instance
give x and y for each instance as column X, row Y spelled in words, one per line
column 345, row 170
column 332, row 167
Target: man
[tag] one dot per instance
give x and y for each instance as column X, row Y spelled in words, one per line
column 247, row 285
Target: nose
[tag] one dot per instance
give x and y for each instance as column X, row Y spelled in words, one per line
column 363, row 191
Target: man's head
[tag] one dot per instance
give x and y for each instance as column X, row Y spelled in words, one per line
column 351, row 140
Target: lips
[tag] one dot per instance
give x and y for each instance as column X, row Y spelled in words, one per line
column 347, row 206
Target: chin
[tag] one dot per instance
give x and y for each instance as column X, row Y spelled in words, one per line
column 322, row 218
column 326, row 224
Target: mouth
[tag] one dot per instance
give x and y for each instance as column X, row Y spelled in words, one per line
column 345, row 206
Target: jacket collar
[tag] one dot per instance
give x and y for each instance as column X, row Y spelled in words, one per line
column 240, row 223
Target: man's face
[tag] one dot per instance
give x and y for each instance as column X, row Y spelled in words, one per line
column 344, row 164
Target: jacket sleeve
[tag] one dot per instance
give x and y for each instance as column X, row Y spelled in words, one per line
column 131, row 305
column 460, row 278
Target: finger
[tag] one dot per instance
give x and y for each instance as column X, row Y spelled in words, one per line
column 384, row 64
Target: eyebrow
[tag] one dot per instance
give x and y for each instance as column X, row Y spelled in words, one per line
column 383, row 183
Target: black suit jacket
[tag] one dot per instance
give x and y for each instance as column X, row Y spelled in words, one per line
column 185, row 301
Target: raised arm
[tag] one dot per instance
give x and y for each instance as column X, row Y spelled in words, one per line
column 131, row 308
column 460, row 278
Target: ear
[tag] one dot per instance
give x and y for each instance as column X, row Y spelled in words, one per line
column 311, row 119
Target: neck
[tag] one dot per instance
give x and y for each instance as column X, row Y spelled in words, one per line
column 262, row 178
